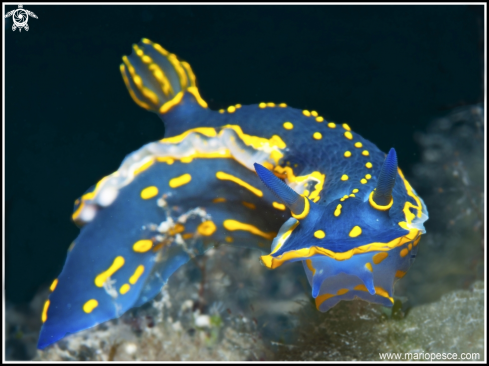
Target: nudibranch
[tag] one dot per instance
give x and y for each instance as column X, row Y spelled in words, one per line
column 258, row 176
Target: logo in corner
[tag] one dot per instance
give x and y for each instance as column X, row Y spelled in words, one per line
column 20, row 17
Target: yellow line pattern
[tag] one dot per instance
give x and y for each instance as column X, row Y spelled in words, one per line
column 102, row 277
column 137, row 273
column 180, row 181
column 242, row 183
column 233, row 225
column 90, row 305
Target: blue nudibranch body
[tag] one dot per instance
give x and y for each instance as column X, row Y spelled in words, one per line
column 321, row 194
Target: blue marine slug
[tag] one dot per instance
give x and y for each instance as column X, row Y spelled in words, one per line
column 258, row 176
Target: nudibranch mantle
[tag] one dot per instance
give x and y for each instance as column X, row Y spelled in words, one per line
column 257, row 176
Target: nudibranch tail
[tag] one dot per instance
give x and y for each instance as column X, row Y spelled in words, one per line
column 159, row 217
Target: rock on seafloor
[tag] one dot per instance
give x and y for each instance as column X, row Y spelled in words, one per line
column 350, row 331
column 359, row 331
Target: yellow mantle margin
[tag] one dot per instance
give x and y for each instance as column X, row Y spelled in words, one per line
column 274, row 262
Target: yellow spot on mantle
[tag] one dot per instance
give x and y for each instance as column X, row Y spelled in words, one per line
column 369, row 267
column 278, row 206
column 116, row 265
column 262, row 105
column 90, row 305
column 404, row 252
column 137, row 273
column 233, row 225
column 344, row 177
column 365, row 153
column 249, row 205
column 346, row 127
column 44, row 315
column 400, row 274
column 124, row 289
column 306, row 113
column 149, row 192
column 319, row 119
column 231, row 109
column 348, row 135
column 368, row 176
column 358, row 144
column 219, row 199
column 317, row 135
column 347, row 154
column 332, row 125
column 337, row 212
column 207, row 228
column 232, row 178
column 314, row 113
column 288, row 125
column 142, row 246
column 356, row 231
column 363, row 181
column 342, row 291
column 368, row 165
column 180, row 181
column 319, row 234
column 355, row 190
column 379, row 257
column 53, row 285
